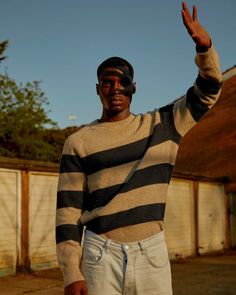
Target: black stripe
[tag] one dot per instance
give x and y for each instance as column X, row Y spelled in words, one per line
column 196, row 107
column 115, row 157
column 208, row 86
column 168, row 123
column 134, row 151
column 160, row 173
column 132, row 216
column 127, row 153
column 70, row 199
column 67, row 232
column 70, row 163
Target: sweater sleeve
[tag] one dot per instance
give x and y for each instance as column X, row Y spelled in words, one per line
column 70, row 199
column 202, row 95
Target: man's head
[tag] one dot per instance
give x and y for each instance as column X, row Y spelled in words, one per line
column 115, row 85
column 121, row 68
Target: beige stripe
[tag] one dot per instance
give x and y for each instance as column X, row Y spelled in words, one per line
column 111, row 176
column 182, row 117
column 138, row 197
column 162, row 153
column 71, row 181
column 107, row 136
column 67, row 215
column 209, row 65
column 69, row 257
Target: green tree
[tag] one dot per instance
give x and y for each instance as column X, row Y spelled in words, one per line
column 23, row 120
column 57, row 137
column 3, row 47
column 26, row 130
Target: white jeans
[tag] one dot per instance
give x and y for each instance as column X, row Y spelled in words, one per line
column 139, row 268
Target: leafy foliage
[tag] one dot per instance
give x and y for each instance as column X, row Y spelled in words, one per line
column 26, row 130
column 3, row 47
column 56, row 138
column 23, row 120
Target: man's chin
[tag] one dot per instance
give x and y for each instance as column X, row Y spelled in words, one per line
column 117, row 109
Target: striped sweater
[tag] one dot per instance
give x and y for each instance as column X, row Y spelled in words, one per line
column 114, row 176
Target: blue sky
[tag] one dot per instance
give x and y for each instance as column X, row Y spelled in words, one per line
column 61, row 43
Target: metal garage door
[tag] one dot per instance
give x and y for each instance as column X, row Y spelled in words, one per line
column 42, row 220
column 179, row 218
column 211, row 217
column 9, row 191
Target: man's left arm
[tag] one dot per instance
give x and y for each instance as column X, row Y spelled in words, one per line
column 206, row 90
column 207, row 60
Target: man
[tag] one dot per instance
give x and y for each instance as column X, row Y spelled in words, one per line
column 114, row 177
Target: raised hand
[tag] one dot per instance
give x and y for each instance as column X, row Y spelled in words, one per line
column 198, row 33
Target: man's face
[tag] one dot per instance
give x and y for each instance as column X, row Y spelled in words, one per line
column 115, row 89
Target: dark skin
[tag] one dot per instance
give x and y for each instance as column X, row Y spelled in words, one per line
column 77, row 288
column 116, row 105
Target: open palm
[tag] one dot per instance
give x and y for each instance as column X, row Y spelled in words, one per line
column 194, row 28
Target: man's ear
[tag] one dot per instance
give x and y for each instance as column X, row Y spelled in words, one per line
column 97, row 89
column 134, row 87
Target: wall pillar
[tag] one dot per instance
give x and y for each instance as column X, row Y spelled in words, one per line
column 195, row 208
column 24, row 262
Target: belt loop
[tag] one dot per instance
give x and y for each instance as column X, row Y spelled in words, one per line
column 106, row 245
column 141, row 248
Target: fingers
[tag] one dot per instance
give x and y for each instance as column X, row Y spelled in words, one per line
column 194, row 12
column 187, row 18
column 184, row 5
column 184, row 19
column 186, row 13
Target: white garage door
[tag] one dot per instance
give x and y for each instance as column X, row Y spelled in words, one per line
column 232, row 218
column 43, row 189
column 8, row 221
column 211, row 217
column 179, row 218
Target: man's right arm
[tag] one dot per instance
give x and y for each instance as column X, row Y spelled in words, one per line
column 70, row 198
column 77, row 288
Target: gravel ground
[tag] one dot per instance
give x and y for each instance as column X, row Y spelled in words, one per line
column 211, row 275
column 206, row 275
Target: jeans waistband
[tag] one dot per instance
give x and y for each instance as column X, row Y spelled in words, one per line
column 107, row 243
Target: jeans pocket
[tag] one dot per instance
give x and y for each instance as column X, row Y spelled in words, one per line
column 157, row 255
column 92, row 253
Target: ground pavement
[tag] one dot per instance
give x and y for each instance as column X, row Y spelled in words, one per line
column 211, row 275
